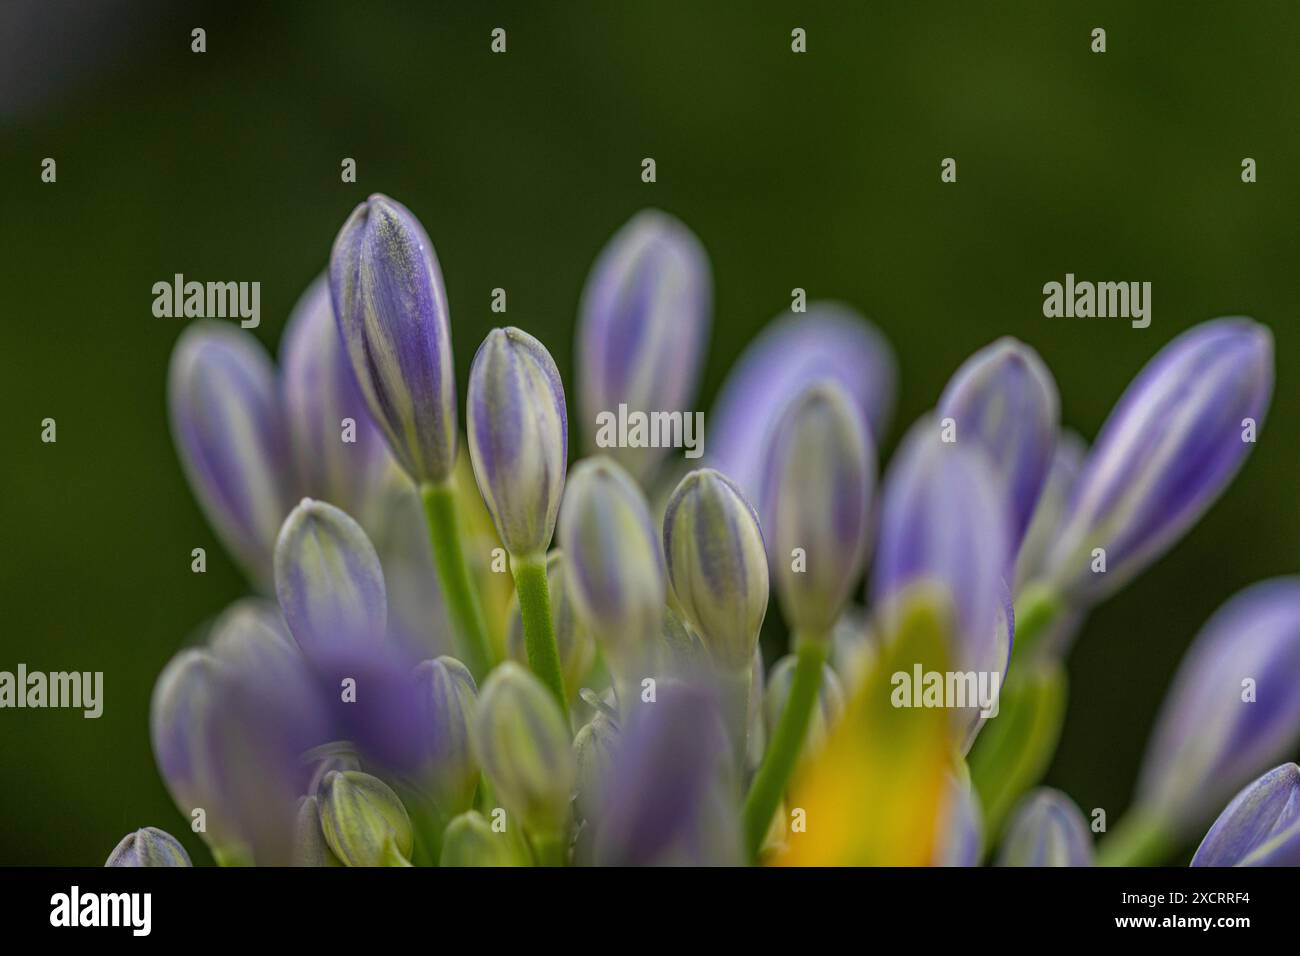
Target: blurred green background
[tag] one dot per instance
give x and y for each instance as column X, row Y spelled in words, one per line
column 817, row 170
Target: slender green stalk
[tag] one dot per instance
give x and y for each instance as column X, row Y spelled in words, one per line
column 735, row 712
column 457, row 588
column 787, row 743
column 539, row 630
column 1138, row 840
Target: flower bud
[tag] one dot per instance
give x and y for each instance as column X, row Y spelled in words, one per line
column 524, row 747
column 944, row 521
column 816, row 502
column 309, row 846
column 339, row 454
column 1232, row 710
column 830, row 701
column 149, row 847
column 1047, row 829
column 1169, row 448
column 1260, row 827
column 328, row 579
column 594, row 749
column 391, row 307
column 469, row 840
column 960, row 840
column 518, row 437
column 363, row 820
column 617, row 573
column 1067, row 462
column 643, row 327
column 572, row 639
column 717, row 565
column 229, row 432
column 1004, row 398
column 449, row 772
column 829, row 341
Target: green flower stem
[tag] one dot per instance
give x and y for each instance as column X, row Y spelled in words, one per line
column 457, row 590
column 1036, row 612
column 539, row 630
column 787, row 743
column 1139, row 839
column 735, row 711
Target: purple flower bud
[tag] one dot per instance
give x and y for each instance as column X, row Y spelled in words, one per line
column 717, row 565
column 616, row 568
column 227, row 426
column 518, row 437
column 1004, row 398
column 449, row 772
column 1067, row 463
column 816, row 505
column 1173, row 442
column 339, row 455
column 1232, row 710
column 829, row 341
column 643, row 327
column 1260, row 827
column 149, row 847
column 387, row 290
column 668, row 799
column 943, row 521
column 1047, row 829
column 328, row 579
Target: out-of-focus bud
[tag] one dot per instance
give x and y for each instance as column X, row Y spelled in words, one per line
column 469, row 840
column 943, row 520
column 1004, row 398
column 335, row 757
column 1067, row 462
column 816, row 504
column 573, row 640
column 525, row 749
column 616, row 571
column 829, row 341
column 594, row 749
column 717, row 565
column 1232, row 710
column 960, row 840
column 391, row 307
column 1260, row 827
column 339, row 455
column 229, row 432
column 328, row 579
column 363, row 820
column 1173, row 442
column 853, row 646
column 830, row 701
column 309, row 846
column 149, row 847
column 643, row 326
column 518, row 437
column 449, row 772
column 1047, row 829
column 669, row 799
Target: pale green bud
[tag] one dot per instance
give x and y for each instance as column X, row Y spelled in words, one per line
column 363, row 820
column 469, row 840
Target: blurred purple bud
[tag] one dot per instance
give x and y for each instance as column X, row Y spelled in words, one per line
column 1260, row 827
column 1004, row 398
column 1232, row 710
column 1047, row 829
column 960, row 840
column 816, row 505
column 518, row 437
column 449, row 771
column 668, row 799
column 391, row 307
column 328, row 579
column 1173, row 442
column 1067, row 462
column 643, row 326
column 829, row 341
column 229, row 432
column 339, row 455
